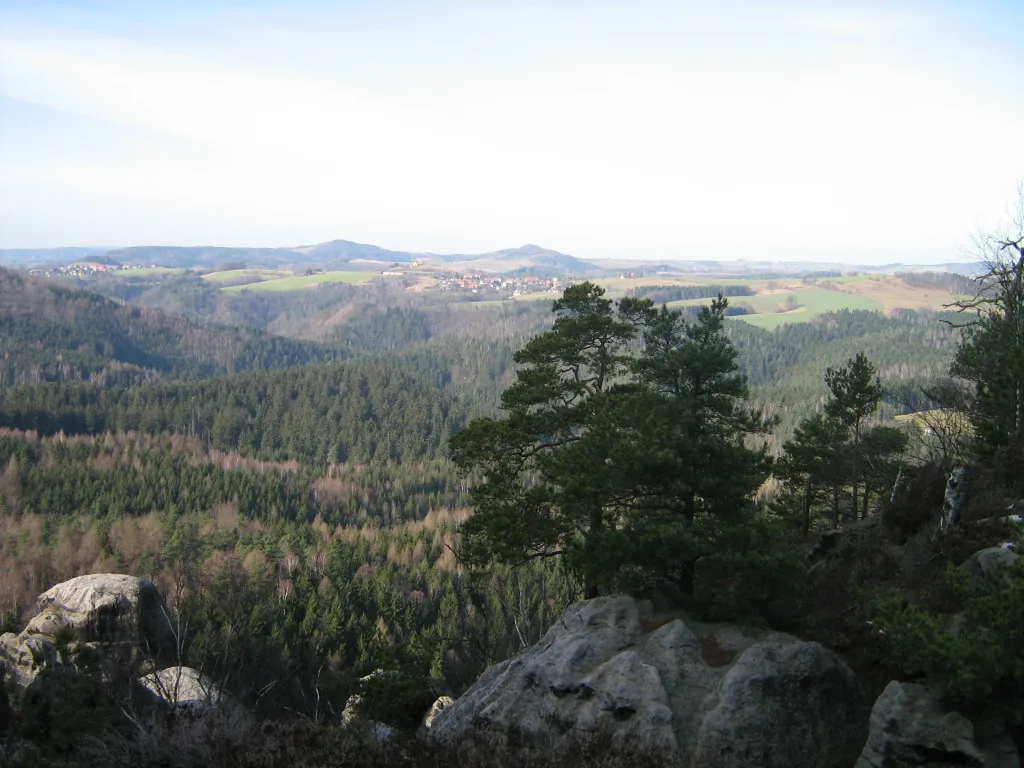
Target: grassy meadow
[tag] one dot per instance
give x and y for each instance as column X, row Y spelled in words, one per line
column 299, row 282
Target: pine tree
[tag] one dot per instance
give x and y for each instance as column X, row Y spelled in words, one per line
column 856, row 393
column 624, row 465
column 991, row 352
column 810, row 470
column 692, row 472
column 546, row 490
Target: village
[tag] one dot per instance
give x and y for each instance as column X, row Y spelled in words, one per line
column 504, row 285
column 84, row 269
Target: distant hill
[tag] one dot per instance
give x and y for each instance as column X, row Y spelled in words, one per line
column 50, row 332
column 331, row 255
column 346, row 250
column 558, row 263
column 202, row 256
column 31, row 257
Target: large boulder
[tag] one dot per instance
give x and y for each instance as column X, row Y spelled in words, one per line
column 183, row 688
column 120, row 618
column 107, row 608
column 983, row 566
column 715, row 695
column 777, row 706
column 910, row 728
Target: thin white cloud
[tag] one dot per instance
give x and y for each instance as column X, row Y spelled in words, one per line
column 859, row 149
column 872, row 26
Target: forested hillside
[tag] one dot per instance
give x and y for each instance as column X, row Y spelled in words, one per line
column 316, row 415
column 784, row 367
column 49, row 332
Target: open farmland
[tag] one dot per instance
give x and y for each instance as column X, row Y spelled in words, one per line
column 810, row 297
column 146, row 271
column 238, row 275
column 773, row 308
column 298, row 282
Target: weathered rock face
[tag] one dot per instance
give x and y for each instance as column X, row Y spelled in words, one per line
column 183, row 688
column 440, row 705
column 718, row 696
column 911, row 729
column 108, row 608
column 122, row 615
column 985, row 564
column 775, row 701
column 955, row 500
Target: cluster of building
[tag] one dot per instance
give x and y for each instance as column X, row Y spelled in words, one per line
column 504, row 285
column 83, row 269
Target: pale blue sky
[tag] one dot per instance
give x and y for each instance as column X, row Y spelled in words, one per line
column 827, row 131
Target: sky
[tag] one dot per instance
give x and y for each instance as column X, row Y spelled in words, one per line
column 827, row 131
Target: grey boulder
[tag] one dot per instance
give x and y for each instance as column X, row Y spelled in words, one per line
column 910, row 728
column 183, row 688
column 713, row 695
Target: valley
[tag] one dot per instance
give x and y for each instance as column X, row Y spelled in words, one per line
column 273, row 448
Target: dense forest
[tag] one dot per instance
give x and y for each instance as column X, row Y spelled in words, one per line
column 52, row 333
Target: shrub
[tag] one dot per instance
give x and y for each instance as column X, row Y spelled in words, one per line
column 976, row 657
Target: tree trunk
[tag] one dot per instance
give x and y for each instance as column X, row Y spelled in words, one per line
column 686, row 577
column 688, row 572
column 591, row 587
column 854, row 470
column 807, row 507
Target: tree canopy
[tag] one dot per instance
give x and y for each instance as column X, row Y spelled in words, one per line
column 621, row 448
column 991, row 352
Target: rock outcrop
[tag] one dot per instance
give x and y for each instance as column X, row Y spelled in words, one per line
column 985, row 564
column 108, row 608
column 440, row 705
column 910, row 728
column 718, row 696
column 183, row 688
column 115, row 617
column 955, row 500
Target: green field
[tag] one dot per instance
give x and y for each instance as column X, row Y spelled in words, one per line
column 231, row 275
column 810, row 303
column 302, row 281
column 147, row 271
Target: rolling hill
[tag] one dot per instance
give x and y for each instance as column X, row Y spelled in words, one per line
column 331, row 255
column 50, row 332
column 202, row 257
column 31, row 257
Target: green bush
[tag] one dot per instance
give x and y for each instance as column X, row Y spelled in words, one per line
column 976, row 656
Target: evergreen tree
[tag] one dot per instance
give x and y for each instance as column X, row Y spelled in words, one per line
column 835, row 451
column 693, row 473
column 546, row 491
column 619, row 463
column 856, row 393
column 991, row 352
column 810, row 471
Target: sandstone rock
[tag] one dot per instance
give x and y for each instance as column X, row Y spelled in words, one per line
column 955, row 501
column 717, row 695
column 982, row 566
column 442, row 703
column 910, row 728
column 104, row 607
column 24, row 657
column 777, row 705
column 119, row 617
column 183, row 688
